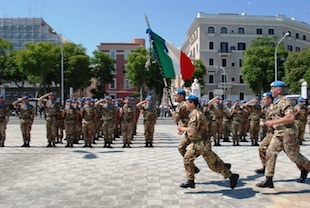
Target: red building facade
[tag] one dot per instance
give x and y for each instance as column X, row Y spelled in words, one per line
column 121, row 87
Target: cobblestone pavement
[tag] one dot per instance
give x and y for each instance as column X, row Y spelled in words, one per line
column 137, row 177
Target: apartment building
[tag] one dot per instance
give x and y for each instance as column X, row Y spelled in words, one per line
column 219, row 40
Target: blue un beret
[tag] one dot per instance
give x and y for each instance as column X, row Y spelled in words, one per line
column 180, row 92
column 1, row 96
column 267, row 94
column 192, row 98
column 108, row 97
column 149, row 97
column 301, row 100
column 68, row 100
column 277, row 84
column 25, row 97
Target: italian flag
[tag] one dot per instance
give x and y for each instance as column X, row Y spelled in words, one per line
column 173, row 61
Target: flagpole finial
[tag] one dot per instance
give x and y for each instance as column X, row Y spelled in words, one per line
column 147, row 21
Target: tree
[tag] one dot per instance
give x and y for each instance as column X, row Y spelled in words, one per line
column 199, row 73
column 102, row 68
column 258, row 64
column 5, row 50
column 297, row 68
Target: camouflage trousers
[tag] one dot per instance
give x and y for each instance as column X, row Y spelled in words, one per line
column 70, row 131
column 87, row 129
column 51, row 129
column 236, row 131
column 254, row 130
column 226, row 128
column 263, row 146
column 149, row 127
column 25, row 126
column 107, row 130
column 289, row 143
column 301, row 126
column 127, row 131
column 2, row 131
column 263, row 132
column 184, row 142
column 244, row 127
column 213, row 161
column 216, row 130
column 60, row 128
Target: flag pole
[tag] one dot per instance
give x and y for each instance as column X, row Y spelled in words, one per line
column 159, row 64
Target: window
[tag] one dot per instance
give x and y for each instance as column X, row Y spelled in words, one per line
column 211, row 45
column 232, row 48
column 223, row 30
column 113, row 54
column 127, row 84
column 224, row 62
column 241, row 81
column 211, row 78
column 240, row 30
column 224, row 47
column 241, row 46
column 241, row 95
column 211, row 95
column 297, row 49
column 271, row 31
column 259, row 31
column 224, row 78
column 297, row 35
column 233, row 64
column 114, row 71
column 210, row 29
column 304, row 37
column 113, row 84
column 211, row 61
column 289, row 48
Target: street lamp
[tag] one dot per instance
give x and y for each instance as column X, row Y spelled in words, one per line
column 275, row 57
column 62, row 68
column 225, row 80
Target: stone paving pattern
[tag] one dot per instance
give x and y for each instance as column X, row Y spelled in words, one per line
column 61, row 177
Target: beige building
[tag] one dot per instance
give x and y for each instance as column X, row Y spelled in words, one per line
column 219, row 40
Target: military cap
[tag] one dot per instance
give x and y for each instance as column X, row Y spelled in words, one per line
column 149, row 97
column 277, row 84
column 180, row 92
column 68, row 100
column 108, row 97
column 1, row 96
column 267, row 94
column 192, row 98
column 236, row 101
column 25, row 97
column 127, row 98
column 301, row 100
column 244, row 101
column 87, row 98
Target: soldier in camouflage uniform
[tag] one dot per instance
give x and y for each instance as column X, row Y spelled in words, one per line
column 89, row 117
column 4, row 119
column 236, row 116
column 284, row 137
column 244, row 121
column 127, row 115
column 60, row 122
column 26, row 118
column 226, row 120
column 263, row 146
column 216, row 112
column 98, row 124
column 78, row 128
column 200, row 145
column 108, row 117
column 301, row 114
column 149, row 112
column 70, row 121
column 52, row 110
column 255, row 114
column 117, row 126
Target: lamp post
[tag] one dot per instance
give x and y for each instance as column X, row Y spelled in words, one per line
column 275, row 57
column 62, row 69
column 225, row 80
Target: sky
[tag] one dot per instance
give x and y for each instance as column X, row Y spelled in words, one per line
column 91, row 22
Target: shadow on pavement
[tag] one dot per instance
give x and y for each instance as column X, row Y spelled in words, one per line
column 237, row 194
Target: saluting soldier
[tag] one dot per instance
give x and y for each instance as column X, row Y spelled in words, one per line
column 226, row 120
column 149, row 112
column 70, row 116
column 51, row 109
column 236, row 116
column 244, row 121
column 26, row 118
column 301, row 114
column 255, row 114
column 216, row 113
column 127, row 115
column 89, row 117
column 60, row 122
column 4, row 119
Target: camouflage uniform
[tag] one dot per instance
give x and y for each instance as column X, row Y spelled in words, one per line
column 26, row 120
column 255, row 113
column 4, row 117
column 201, row 145
column 150, row 116
column 226, row 123
column 78, row 126
column 89, row 116
column 284, row 138
column 236, row 115
column 127, row 122
column 108, row 113
column 70, row 122
column 216, row 111
column 244, row 124
column 60, row 126
column 51, row 112
column 300, row 121
column 263, row 129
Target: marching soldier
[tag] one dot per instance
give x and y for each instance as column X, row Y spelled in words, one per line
column 301, row 114
column 127, row 115
column 51, row 109
column 149, row 111
column 4, row 119
column 70, row 121
column 26, row 118
column 89, row 117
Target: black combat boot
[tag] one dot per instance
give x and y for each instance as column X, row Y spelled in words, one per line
column 303, row 176
column 260, row 171
column 71, row 144
column 233, row 180
column 196, row 170
column 227, row 165
column 89, row 145
column 146, row 144
column 54, row 144
column 188, row 184
column 49, row 144
column 24, row 145
column 266, row 183
column 68, row 145
column 151, row 144
column 27, row 144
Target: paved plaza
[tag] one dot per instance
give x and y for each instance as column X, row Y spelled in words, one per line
column 137, row 177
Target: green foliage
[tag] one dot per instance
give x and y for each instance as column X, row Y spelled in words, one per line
column 199, row 73
column 258, row 64
column 5, row 50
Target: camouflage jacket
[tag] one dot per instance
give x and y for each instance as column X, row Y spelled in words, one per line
column 26, row 111
column 181, row 114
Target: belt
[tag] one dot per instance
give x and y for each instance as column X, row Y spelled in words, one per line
column 199, row 140
column 285, row 126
